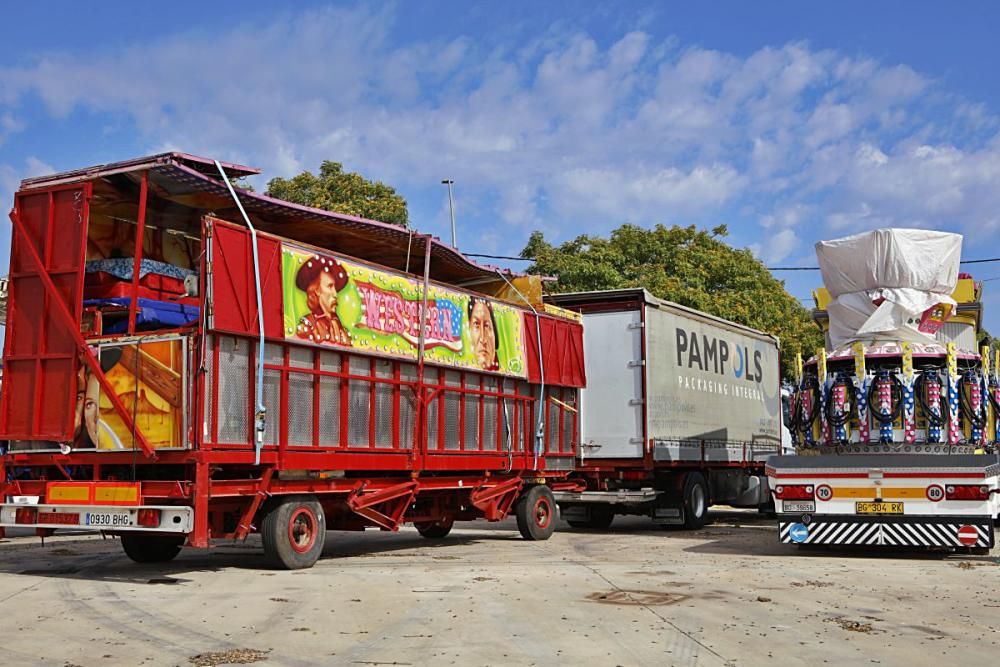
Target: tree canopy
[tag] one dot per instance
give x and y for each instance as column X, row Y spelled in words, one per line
column 343, row 192
column 692, row 267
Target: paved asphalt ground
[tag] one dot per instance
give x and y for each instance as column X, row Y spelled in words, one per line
column 635, row 595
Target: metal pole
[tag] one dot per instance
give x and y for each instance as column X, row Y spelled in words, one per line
column 451, row 207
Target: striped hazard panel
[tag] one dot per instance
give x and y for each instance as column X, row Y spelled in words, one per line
column 928, row 532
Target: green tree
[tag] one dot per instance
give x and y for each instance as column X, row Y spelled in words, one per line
column 343, row 192
column 692, row 267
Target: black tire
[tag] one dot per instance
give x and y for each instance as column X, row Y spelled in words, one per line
column 600, row 518
column 536, row 513
column 144, row 548
column 293, row 533
column 435, row 530
column 767, row 508
column 695, row 501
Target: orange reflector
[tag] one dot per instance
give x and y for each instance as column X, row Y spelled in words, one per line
column 93, row 493
column 68, row 493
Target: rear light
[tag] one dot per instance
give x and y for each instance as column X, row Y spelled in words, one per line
column 793, row 492
column 966, row 492
column 26, row 515
column 148, row 518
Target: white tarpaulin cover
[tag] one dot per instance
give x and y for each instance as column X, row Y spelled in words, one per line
column 883, row 282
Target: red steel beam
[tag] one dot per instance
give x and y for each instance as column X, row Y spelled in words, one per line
column 140, row 233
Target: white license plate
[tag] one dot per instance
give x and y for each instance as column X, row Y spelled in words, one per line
column 108, row 519
column 798, row 506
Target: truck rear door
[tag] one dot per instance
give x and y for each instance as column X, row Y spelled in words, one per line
column 40, row 354
column 611, row 404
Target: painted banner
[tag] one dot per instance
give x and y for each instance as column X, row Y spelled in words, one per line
column 156, row 367
column 332, row 302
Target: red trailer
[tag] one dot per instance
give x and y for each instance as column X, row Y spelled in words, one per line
column 185, row 361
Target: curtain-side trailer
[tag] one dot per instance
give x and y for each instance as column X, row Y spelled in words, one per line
column 681, row 411
column 185, row 361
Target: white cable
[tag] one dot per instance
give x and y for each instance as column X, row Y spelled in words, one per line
column 260, row 416
column 540, row 429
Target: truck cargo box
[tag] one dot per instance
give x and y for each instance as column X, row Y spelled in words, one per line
column 692, row 378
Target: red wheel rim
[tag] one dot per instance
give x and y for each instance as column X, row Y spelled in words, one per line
column 543, row 513
column 302, row 530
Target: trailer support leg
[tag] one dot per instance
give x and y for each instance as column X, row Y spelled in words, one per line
column 245, row 525
column 384, row 508
column 495, row 501
column 201, row 534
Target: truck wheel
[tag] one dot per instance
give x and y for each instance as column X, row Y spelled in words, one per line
column 293, row 532
column 600, row 518
column 435, row 530
column 536, row 513
column 151, row 548
column 695, row 501
column 767, row 508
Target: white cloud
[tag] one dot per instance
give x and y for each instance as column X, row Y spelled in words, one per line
column 559, row 131
column 9, row 125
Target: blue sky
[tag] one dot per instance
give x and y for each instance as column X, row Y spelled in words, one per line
column 790, row 122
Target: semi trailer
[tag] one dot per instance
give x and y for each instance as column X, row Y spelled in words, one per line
column 896, row 420
column 681, row 411
column 185, row 361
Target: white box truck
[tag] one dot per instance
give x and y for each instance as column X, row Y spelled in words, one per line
column 682, row 410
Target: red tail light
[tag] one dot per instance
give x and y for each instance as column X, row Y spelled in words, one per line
column 793, row 492
column 966, row 492
column 148, row 518
column 26, row 515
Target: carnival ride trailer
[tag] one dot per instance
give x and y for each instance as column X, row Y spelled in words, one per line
column 187, row 361
column 896, row 424
column 681, row 410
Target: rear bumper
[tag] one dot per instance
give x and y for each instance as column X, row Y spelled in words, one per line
column 100, row 518
column 882, row 531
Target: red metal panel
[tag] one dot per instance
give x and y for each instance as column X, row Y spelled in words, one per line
column 562, row 351
column 234, row 295
column 40, row 353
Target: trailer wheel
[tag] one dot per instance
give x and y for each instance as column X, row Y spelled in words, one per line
column 536, row 513
column 600, row 518
column 435, row 530
column 695, row 501
column 293, row 533
column 151, row 548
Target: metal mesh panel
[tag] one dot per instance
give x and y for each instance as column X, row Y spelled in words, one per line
column 383, row 415
column 523, row 417
column 274, row 354
column 272, row 402
column 407, row 406
column 552, row 426
column 569, row 419
column 489, row 423
column 433, row 410
column 432, row 423
column 300, row 357
column 360, row 366
column 471, row 421
column 329, row 361
column 300, row 409
column 234, row 390
column 329, row 411
column 358, row 413
column 452, row 405
column 209, row 379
